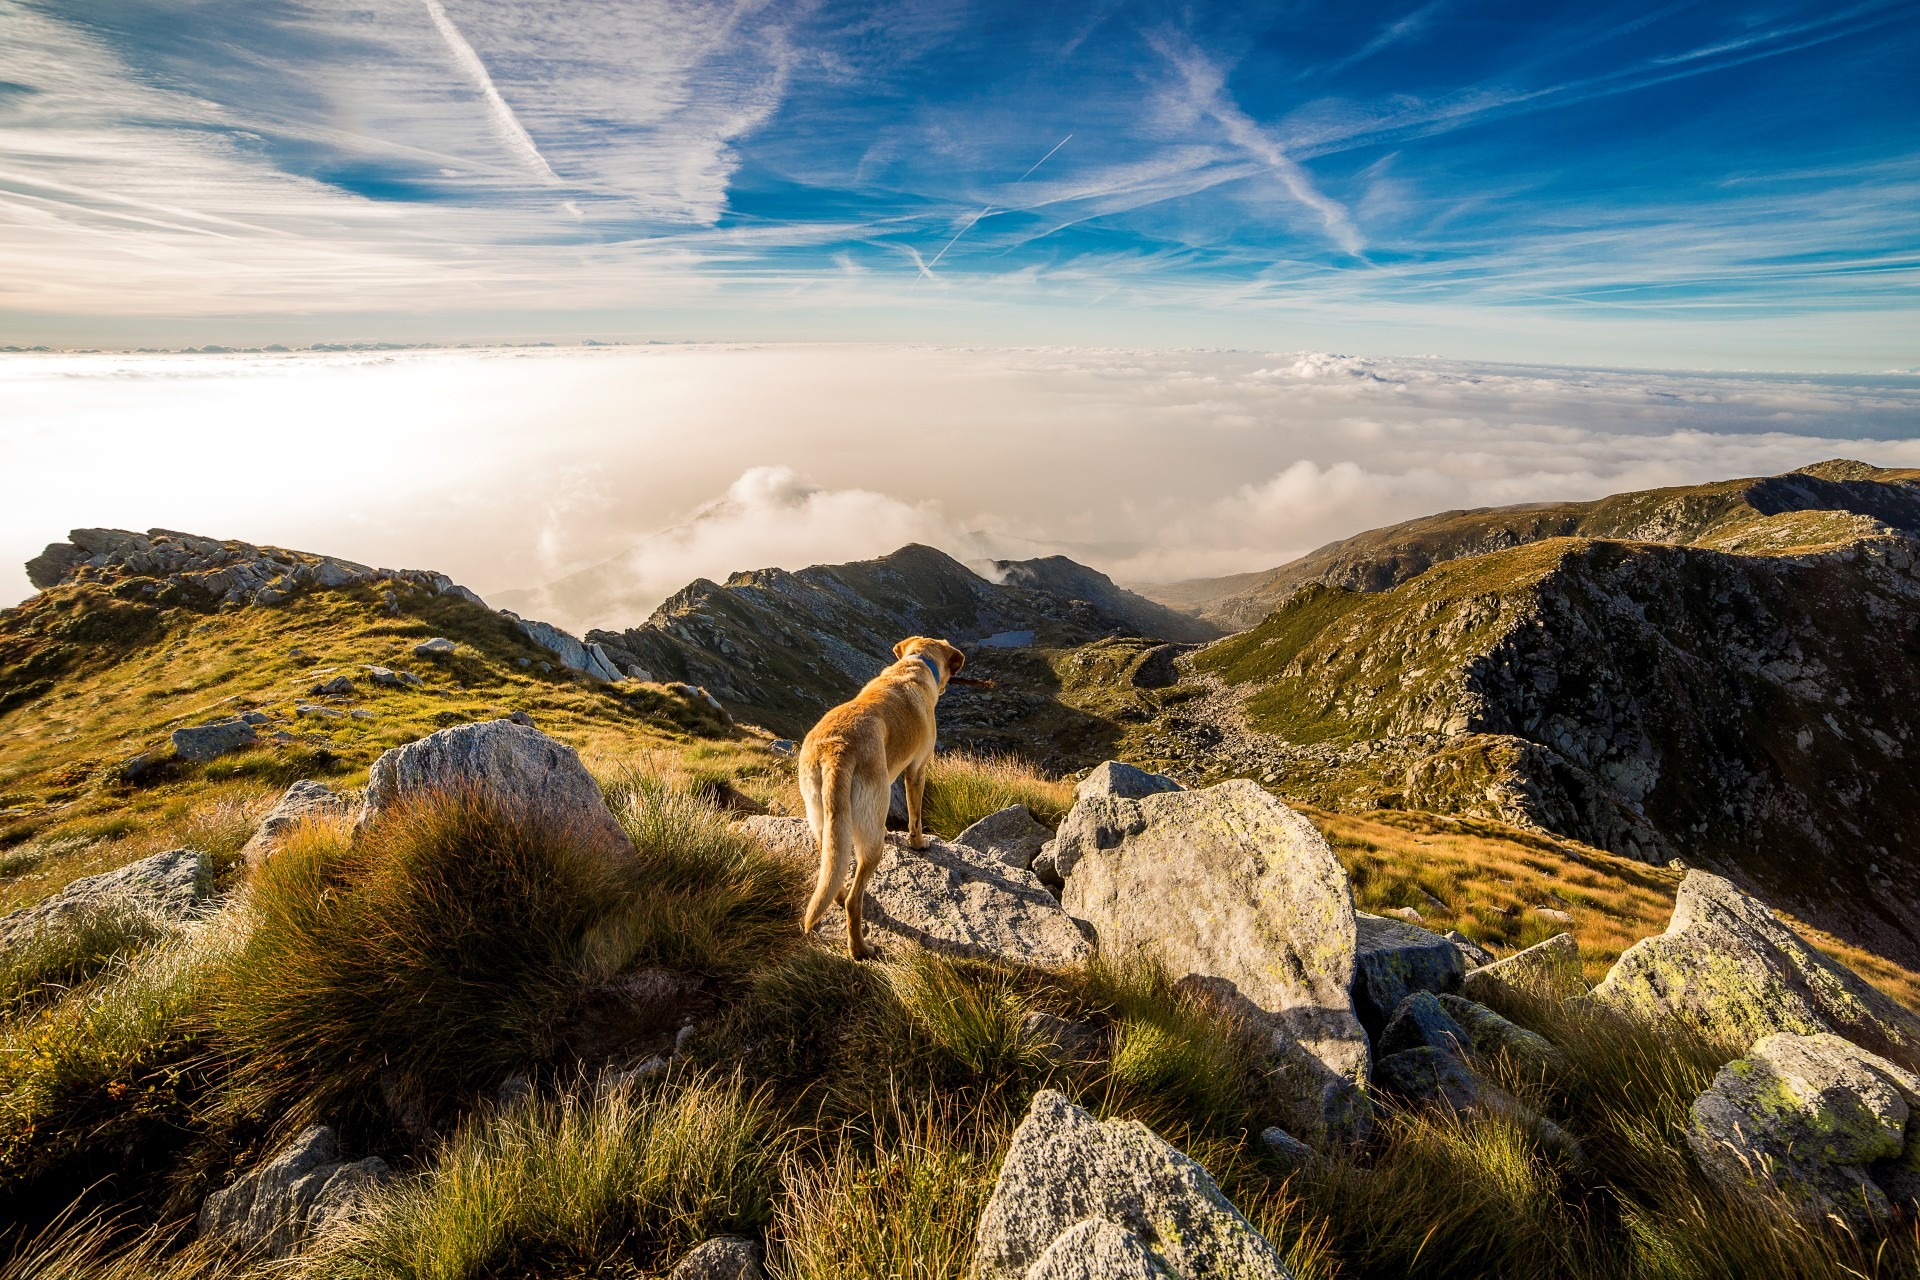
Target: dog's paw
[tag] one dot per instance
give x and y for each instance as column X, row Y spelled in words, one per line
column 920, row 842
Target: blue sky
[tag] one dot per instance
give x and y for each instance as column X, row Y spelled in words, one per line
column 1703, row 184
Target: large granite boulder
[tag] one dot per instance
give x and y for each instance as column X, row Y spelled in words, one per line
column 170, row 888
column 1081, row 1200
column 202, row 742
column 275, row 1209
column 1550, row 970
column 1392, row 960
column 303, row 800
column 1826, row 1124
column 1733, row 972
column 519, row 767
column 1010, row 835
column 1229, row 887
column 946, row 898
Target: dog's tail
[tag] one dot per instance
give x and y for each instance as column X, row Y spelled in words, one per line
column 836, row 841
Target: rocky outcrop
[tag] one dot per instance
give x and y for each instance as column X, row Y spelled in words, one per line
column 1123, row 781
column 171, row 888
column 518, row 767
column 1549, row 969
column 590, row 660
column 300, row 802
column 948, row 899
column 1084, row 1200
column 1010, row 835
column 1828, row 1126
column 1730, row 970
column 203, row 742
column 1229, row 887
column 1392, row 960
column 722, row 1258
column 305, row 1188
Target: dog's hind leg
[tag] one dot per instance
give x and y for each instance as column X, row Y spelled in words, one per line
column 916, row 788
column 869, row 813
column 828, row 812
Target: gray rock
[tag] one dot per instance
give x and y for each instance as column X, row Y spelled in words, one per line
column 1010, row 835
column 256, row 718
column 1065, row 1170
column 315, row 709
column 1421, row 1021
column 339, row 686
column 1232, row 888
column 641, row 674
column 946, row 898
column 171, row 887
column 1392, row 960
column 1476, row 955
column 1045, row 867
column 1826, row 1124
column 303, row 1190
column 1123, row 781
column 1428, row 1075
column 1490, row 1035
column 589, row 660
column 1554, row 914
column 521, row 768
column 521, row 717
column 1286, row 1146
column 1550, row 969
column 438, row 647
column 208, row 741
column 722, row 1258
column 1735, row 973
column 784, row 747
column 394, row 679
column 303, row 800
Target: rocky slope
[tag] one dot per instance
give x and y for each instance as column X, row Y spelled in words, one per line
column 1750, row 705
column 1835, row 497
column 778, row 647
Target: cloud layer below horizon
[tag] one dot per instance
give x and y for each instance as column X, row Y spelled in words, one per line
column 604, row 480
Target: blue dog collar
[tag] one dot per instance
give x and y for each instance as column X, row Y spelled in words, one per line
column 931, row 666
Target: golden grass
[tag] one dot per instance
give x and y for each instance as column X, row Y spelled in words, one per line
column 963, row 787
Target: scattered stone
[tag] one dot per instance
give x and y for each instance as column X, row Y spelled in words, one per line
column 1476, row 955
column 438, row 647
column 300, row 802
column 1230, row 887
column 172, row 887
column 1823, row 1122
column 208, row 741
column 722, row 1258
column 1549, row 969
column 1286, row 1146
column 394, row 679
column 641, row 674
column 522, row 768
column 1410, row 914
column 256, row 717
column 521, row 718
column 136, row 769
column 361, row 713
column 1393, row 959
column 1075, row 1194
column 337, row 687
column 784, row 747
column 1735, row 973
column 1429, row 1075
column 1123, row 781
column 1554, row 914
column 315, row 709
column 1010, row 835
column 304, row 1189
column 1421, row 1021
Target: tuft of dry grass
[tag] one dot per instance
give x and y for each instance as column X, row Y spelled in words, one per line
column 963, row 788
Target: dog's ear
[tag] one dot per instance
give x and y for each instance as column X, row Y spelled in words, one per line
column 955, row 658
column 900, row 650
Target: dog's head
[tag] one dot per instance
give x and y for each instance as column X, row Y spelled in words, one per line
column 943, row 655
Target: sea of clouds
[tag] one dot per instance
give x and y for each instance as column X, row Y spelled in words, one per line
column 586, row 485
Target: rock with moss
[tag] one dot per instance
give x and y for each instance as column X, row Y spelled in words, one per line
column 170, row 887
column 1231, row 888
column 1078, row 1199
column 202, row 742
column 303, row 801
column 1732, row 972
column 1549, row 969
column 519, row 768
column 1821, row 1122
column 274, row 1210
column 1010, row 835
column 1394, row 959
column 1475, row 955
column 1491, row 1035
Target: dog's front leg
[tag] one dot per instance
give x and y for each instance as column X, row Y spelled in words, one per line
column 916, row 790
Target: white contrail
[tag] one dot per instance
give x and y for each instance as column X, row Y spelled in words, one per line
column 516, row 138
column 926, row 268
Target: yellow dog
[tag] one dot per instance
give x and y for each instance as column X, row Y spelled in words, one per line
column 848, row 764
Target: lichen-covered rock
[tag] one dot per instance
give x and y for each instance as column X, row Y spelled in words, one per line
column 1475, row 955
column 722, row 1258
column 305, row 1188
column 1123, row 781
column 438, row 647
column 948, row 899
column 1823, row 1122
column 1230, row 887
column 1424, row 1074
column 1010, row 835
column 173, row 886
column 520, row 768
column 1065, row 1170
column 303, row 800
column 1392, row 960
column 208, row 741
column 1489, row 1034
column 1733, row 972
column 1421, row 1021
column 1550, row 969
